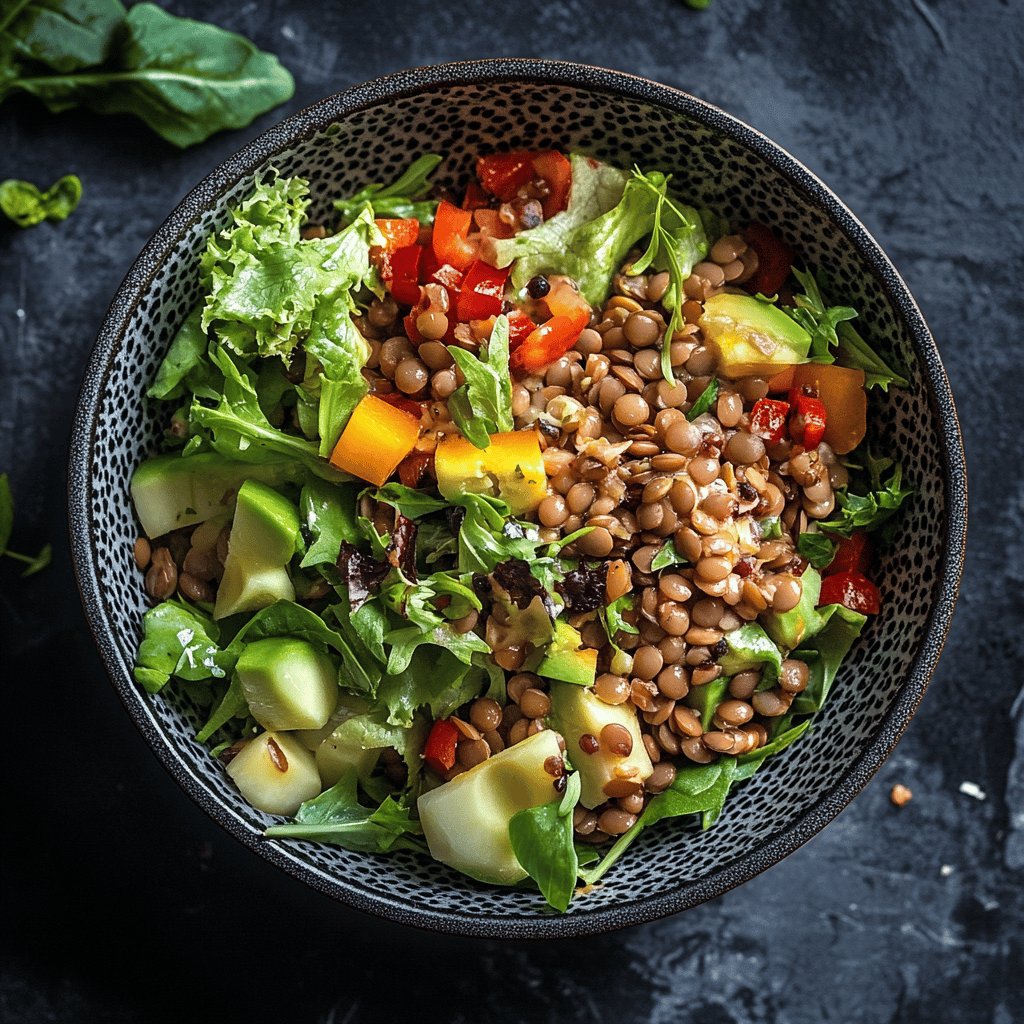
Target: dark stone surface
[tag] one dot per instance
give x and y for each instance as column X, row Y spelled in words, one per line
column 122, row 902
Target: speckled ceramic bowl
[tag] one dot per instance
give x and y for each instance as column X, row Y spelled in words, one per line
column 369, row 133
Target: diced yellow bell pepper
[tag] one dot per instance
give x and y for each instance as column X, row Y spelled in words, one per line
column 510, row 468
column 375, row 440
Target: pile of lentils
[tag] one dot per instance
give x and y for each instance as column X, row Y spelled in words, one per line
column 623, row 459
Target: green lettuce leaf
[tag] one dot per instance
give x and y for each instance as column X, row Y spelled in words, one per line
column 824, row 653
column 871, row 511
column 24, row 203
column 817, row 549
column 179, row 640
column 328, row 512
column 483, row 405
column 186, row 369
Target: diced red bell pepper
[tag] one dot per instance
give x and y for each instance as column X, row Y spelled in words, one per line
column 503, row 174
column 520, row 327
column 451, row 278
column 413, row 468
column 450, row 239
column 852, row 590
column 475, row 197
column 556, row 170
column 398, row 233
column 768, row 419
column 774, row 259
column 548, row 342
column 807, row 427
column 482, row 291
column 399, row 401
column 439, row 750
column 405, row 274
column 853, row 554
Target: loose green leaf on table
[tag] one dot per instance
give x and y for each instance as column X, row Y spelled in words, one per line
column 32, row 563
column 186, row 79
column 26, row 205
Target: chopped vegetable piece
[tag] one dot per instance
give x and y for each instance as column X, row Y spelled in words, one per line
column 774, row 259
column 782, row 381
column 510, row 467
column 404, row 266
column 520, row 327
column 768, row 419
column 852, row 590
column 481, row 292
column 375, row 440
column 808, row 423
column 853, row 554
column 451, row 230
column 503, row 174
column 554, row 168
column 841, row 391
column 548, row 342
column 439, row 750
column 475, row 198
column 752, row 337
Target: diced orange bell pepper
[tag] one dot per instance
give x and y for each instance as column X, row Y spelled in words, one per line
column 841, row 390
column 375, row 440
column 782, row 381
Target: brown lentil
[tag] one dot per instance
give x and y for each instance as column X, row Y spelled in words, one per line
column 612, row 689
column 535, row 703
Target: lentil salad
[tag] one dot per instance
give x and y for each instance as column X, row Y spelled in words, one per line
column 502, row 526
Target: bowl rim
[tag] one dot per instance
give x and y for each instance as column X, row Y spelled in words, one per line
column 303, row 125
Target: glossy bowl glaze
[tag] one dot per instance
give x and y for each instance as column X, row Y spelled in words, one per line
column 369, row 133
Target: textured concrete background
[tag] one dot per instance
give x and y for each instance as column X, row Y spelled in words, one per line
column 123, row 902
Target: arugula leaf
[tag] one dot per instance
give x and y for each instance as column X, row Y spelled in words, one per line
column 23, row 203
column 871, row 511
column 186, row 79
column 487, row 537
column 542, row 840
column 412, row 503
column 399, row 199
column 817, row 319
column 677, row 243
column 483, row 405
column 241, row 432
column 667, row 556
column 232, row 705
column 705, row 400
column 336, row 816
column 32, row 564
column 179, row 640
column 857, row 354
column 824, row 653
column 697, row 789
column 328, row 512
column 816, row 548
column 613, row 622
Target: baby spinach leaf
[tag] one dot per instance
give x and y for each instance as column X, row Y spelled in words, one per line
column 747, row 764
column 402, row 198
column 186, row 79
column 232, row 705
column 613, row 621
column 705, row 400
column 62, row 35
column 824, row 653
column 483, row 405
column 750, row 647
column 186, row 368
column 435, row 679
column 816, row 548
column 542, row 840
column 705, row 699
column 23, row 203
column 336, row 816
column 412, row 503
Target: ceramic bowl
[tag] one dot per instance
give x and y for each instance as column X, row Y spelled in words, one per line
column 369, row 133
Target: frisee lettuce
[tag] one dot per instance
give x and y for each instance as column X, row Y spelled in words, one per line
column 483, row 405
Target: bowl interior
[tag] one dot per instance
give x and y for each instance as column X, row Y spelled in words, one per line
column 710, row 167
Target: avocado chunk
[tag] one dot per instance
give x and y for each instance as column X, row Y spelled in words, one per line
column 563, row 659
column 465, row 821
column 171, row 492
column 264, row 536
column 288, row 683
column 751, row 337
column 577, row 711
column 510, row 468
column 278, row 778
column 790, row 629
